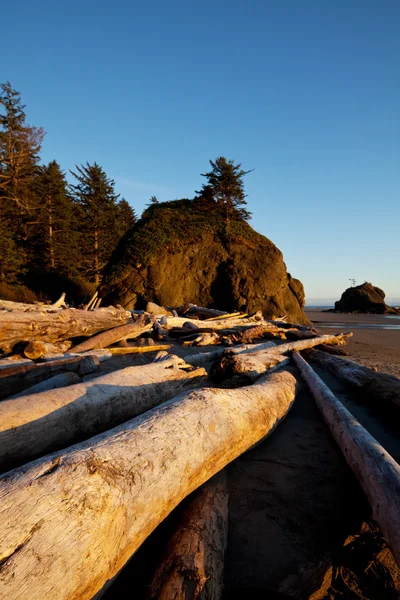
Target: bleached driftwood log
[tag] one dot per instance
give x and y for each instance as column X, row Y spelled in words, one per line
column 92, row 301
column 58, row 381
column 36, row 349
column 375, row 386
column 111, row 336
column 332, row 349
column 215, row 325
column 377, row 472
column 70, row 521
column 34, row 425
column 140, row 349
column 200, row 311
column 204, row 357
column 9, row 305
column 249, row 366
column 55, row 326
column 193, row 564
column 16, row 379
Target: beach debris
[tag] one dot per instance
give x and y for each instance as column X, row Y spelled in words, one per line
column 16, row 379
column 129, row 479
column 377, row 472
column 380, row 388
column 32, row 426
column 194, row 558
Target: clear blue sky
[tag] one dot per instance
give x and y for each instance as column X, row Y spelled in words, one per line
column 306, row 93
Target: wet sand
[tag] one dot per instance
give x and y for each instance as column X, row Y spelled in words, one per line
column 371, row 345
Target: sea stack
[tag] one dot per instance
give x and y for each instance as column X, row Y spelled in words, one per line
column 181, row 252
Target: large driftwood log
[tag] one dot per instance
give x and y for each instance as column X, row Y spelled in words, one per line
column 377, row 472
column 55, row 326
column 36, row 349
column 204, row 357
column 9, row 305
column 215, row 325
column 192, row 568
column 332, row 349
column 249, row 366
column 70, row 521
column 200, row 311
column 16, row 379
column 58, row 381
column 114, row 335
column 34, row 425
column 375, row 386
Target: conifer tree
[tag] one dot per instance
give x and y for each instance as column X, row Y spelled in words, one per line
column 19, row 151
column 97, row 204
column 53, row 240
column 225, row 186
column 125, row 218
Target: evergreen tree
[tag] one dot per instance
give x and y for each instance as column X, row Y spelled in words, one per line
column 125, row 218
column 98, row 212
column 19, row 152
column 12, row 258
column 52, row 243
column 225, row 186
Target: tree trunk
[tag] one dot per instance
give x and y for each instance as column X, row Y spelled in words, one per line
column 377, row 472
column 55, row 326
column 16, row 379
column 247, row 367
column 122, row 332
column 375, row 386
column 70, row 521
column 192, row 568
column 32, row 426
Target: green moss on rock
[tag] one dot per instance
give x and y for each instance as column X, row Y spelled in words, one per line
column 182, row 251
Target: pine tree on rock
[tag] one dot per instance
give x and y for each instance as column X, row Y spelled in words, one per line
column 125, row 219
column 225, row 186
column 97, row 204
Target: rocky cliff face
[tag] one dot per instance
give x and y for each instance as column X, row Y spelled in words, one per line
column 364, row 298
column 181, row 252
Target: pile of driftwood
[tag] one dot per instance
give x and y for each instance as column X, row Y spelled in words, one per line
column 72, row 515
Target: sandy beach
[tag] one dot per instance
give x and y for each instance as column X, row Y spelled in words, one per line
column 376, row 338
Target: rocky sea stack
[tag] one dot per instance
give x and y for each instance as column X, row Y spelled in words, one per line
column 364, row 298
column 183, row 251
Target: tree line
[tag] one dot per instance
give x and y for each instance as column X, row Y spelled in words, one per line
column 71, row 229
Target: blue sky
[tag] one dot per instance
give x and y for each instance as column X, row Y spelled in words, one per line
column 305, row 93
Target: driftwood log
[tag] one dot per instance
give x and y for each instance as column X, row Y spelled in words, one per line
column 204, row 357
column 192, row 568
column 249, row 366
column 16, row 379
column 31, row 426
column 36, row 349
column 377, row 472
column 56, row 325
column 380, row 388
column 8, row 305
column 70, row 521
column 114, row 335
column 58, row 381
column 140, row 349
column 332, row 349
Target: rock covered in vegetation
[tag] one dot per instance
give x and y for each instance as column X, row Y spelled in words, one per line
column 184, row 251
column 364, row 298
